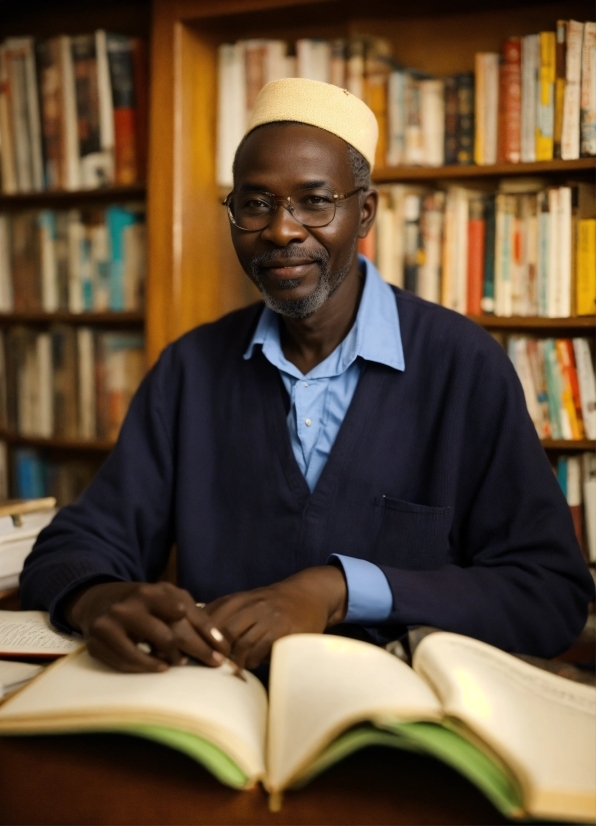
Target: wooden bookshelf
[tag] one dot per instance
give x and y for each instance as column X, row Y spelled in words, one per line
column 569, row 444
column 403, row 174
column 70, row 445
column 103, row 319
column 538, row 324
column 61, row 199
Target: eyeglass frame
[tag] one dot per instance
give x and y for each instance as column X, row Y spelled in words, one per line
column 286, row 202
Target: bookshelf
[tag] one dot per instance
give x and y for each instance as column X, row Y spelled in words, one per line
column 42, row 21
column 402, row 174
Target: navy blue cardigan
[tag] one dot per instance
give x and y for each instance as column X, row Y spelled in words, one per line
column 437, row 476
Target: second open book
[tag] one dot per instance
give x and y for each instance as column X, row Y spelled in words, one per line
column 524, row 736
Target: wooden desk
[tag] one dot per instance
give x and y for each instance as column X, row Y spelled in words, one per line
column 105, row 779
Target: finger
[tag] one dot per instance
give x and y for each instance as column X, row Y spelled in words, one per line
column 140, row 626
column 164, row 600
column 191, row 643
column 205, row 627
column 110, row 644
column 236, row 615
column 253, row 647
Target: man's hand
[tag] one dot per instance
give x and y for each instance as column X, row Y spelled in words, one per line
column 309, row 601
column 115, row 616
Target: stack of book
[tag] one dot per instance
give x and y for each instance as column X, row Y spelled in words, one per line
column 577, row 477
column 75, row 260
column 73, row 112
column 525, row 250
column 557, row 376
column 534, row 101
column 68, row 383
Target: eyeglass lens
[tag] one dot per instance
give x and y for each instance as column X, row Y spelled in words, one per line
column 311, row 207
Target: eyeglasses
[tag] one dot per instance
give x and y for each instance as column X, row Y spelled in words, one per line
column 253, row 211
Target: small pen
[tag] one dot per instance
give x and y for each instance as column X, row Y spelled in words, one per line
column 219, row 637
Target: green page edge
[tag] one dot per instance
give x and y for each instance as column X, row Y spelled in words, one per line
column 431, row 739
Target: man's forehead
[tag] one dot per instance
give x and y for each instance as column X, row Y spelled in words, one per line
column 297, row 149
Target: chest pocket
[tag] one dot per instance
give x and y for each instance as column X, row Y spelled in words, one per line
column 411, row 536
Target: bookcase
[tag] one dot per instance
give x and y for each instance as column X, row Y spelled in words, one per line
column 32, row 18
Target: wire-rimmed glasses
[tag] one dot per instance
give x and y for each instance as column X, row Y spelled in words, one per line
column 310, row 206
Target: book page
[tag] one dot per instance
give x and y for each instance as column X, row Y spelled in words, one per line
column 81, row 694
column 542, row 725
column 320, row 685
column 13, row 675
column 29, row 633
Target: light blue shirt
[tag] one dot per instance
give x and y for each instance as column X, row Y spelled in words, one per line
column 319, row 401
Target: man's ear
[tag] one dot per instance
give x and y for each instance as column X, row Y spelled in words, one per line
column 368, row 211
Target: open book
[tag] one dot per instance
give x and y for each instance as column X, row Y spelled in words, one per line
column 525, row 737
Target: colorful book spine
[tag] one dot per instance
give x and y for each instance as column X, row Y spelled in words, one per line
column 510, row 89
column 560, row 55
column 120, row 61
column 476, row 255
column 451, row 119
column 570, row 119
column 588, row 92
column 546, row 97
column 465, row 118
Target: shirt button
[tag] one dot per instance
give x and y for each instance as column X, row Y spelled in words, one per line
column 305, row 384
column 308, row 422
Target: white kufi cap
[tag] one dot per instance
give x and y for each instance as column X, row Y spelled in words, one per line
column 318, row 104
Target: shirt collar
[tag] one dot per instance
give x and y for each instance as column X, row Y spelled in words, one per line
column 375, row 335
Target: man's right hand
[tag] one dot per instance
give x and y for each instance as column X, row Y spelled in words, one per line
column 114, row 617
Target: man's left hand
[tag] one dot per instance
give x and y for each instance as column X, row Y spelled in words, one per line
column 309, row 601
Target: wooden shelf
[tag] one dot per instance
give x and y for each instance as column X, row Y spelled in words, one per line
column 74, row 445
column 569, row 444
column 66, row 200
column 434, row 173
column 109, row 319
column 493, row 322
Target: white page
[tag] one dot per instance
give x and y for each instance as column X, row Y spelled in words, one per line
column 30, row 633
column 320, row 685
column 14, row 674
column 80, row 693
column 543, row 725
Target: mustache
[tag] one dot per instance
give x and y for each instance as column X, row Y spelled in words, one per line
column 259, row 261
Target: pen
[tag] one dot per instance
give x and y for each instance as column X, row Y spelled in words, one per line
column 217, row 635
column 237, row 671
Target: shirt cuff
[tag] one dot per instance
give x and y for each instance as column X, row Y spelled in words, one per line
column 369, row 596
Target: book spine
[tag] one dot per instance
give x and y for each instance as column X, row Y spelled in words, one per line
column 395, row 118
column 569, row 359
column 588, row 92
column 553, row 274
column 375, row 94
column 49, row 275
column 479, row 108
column 564, row 236
column 414, row 151
column 6, row 293
column 546, row 103
column 76, row 237
column 119, row 48
column 431, row 226
column 30, row 474
column 355, row 67
column 587, row 384
column 491, row 110
column 432, row 111
column 70, row 144
column 64, row 381
column 26, row 260
column 573, row 427
column 586, row 266
column 488, row 289
column 571, row 99
column 7, row 155
column 465, row 118
column 412, row 242
column 48, row 61
column 451, row 118
column 574, row 500
column 529, row 97
column 338, row 63
column 231, row 108
column 553, row 386
column 535, row 356
column 509, row 129
column 19, row 114
column 87, row 428
column 141, row 85
column 560, row 54
column 476, row 253
column 33, row 114
column 104, row 92
column 589, row 491
column 93, row 162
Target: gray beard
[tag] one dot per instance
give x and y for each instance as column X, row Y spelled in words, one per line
column 298, row 307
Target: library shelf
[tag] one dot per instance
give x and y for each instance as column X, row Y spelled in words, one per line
column 399, row 174
column 569, row 444
column 63, row 199
column 103, row 319
column 56, row 443
column 535, row 323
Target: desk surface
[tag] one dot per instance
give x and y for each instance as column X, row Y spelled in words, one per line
column 105, row 779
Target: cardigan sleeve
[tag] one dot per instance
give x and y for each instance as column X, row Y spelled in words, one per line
column 522, row 584
column 120, row 528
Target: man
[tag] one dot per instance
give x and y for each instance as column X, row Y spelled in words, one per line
column 347, row 454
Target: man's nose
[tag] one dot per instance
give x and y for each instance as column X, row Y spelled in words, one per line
column 284, row 228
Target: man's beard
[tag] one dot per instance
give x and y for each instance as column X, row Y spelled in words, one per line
column 297, row 307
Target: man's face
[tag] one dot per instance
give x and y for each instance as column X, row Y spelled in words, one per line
column 297, row 268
